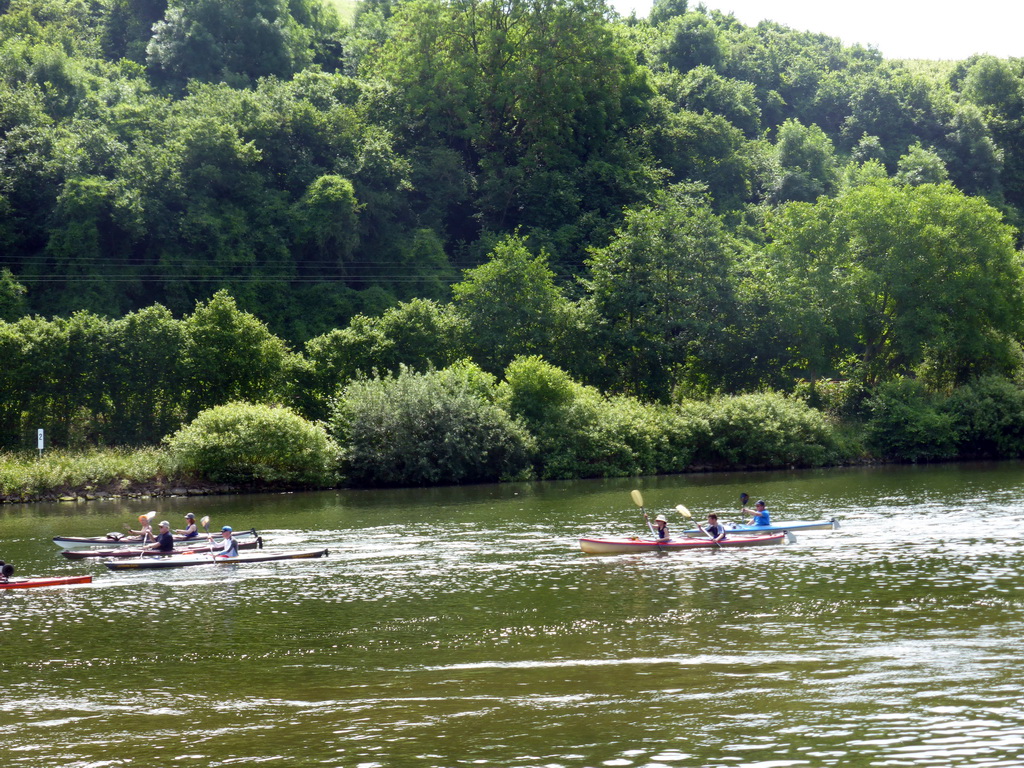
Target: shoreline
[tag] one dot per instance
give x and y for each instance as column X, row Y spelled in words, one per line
column 122, row 489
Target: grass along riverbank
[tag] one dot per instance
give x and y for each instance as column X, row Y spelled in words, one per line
column 94, row 473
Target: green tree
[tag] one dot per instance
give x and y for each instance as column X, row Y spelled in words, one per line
column 921, row 166
column 807, row 164
column 236, row 41
column 706, row 148
column 416, row 336
column 229, row 355
column 661, row 288
column 147, row 383
column 538, row 97
column 511, row 306
column 327, row 217
column 702, row 89
column 916, row 274
column 12, row 297
column 689, row 41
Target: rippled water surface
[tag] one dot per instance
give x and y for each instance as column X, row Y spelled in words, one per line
column 464, row 627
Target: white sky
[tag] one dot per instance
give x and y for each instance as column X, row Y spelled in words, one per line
column 900, row 29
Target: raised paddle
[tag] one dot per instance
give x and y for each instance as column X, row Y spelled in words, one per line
column 206, row 527
column 743, row 503
column 639, row 501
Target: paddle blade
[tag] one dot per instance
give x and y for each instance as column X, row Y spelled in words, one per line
column 683, row 511
column 151, row 515
column 744, row 499
column 790, row 538
column 835, row 524
column 637, row 498
column 205, row 522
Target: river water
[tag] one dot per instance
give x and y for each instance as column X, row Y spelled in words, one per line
column 463, row 627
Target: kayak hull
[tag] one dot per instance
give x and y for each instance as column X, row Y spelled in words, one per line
column 626, row 546
column 54, row 581
column 76, row 542
column 183, row 561
column 82, row 554
column 761, row 530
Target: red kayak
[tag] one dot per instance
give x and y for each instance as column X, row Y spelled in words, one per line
column 623, row 546
column 53, row 581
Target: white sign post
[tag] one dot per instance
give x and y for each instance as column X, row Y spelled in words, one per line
column 39, row 442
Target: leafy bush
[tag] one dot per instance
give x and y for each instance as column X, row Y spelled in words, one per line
column 988, row 418
column 246, row 443
column 581, row 433
column 906, row 423
column 428, row 429
column 763, row 430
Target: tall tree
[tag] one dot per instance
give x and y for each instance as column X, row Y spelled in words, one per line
column 916, row 275
column 511, row 306
column 539, row 96
column 661, row 288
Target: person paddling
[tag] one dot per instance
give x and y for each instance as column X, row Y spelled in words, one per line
column 6, row 571
column 145, row 526
column 191, row 530
column 230, row 547
column 714, row 531
column 661, row 528
column 164, row 539
column 760, row 515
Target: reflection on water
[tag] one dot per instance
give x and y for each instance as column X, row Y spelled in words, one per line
column 463, row 627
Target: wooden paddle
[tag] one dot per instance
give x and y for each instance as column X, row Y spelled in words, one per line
column 639, row 501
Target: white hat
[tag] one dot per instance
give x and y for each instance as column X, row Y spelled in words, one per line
column 163, row 523
column 661, row 518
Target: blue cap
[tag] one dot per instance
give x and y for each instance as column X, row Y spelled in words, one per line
column 226, row 528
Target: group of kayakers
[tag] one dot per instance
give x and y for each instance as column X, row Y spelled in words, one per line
column 164, row 539
column 759, row 515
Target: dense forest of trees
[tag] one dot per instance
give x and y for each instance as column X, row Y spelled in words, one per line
column 205, row 201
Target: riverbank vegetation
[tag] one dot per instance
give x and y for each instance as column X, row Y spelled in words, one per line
column 268, row 244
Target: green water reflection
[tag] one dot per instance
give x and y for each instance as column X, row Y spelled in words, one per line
column 463, row 627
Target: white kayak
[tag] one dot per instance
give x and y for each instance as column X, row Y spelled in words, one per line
column 128, row 540
column 182, row 561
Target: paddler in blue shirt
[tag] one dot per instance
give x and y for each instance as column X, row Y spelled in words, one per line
column 761, row 515
column 191, row 530
column 661, row 528
column 164, row 539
